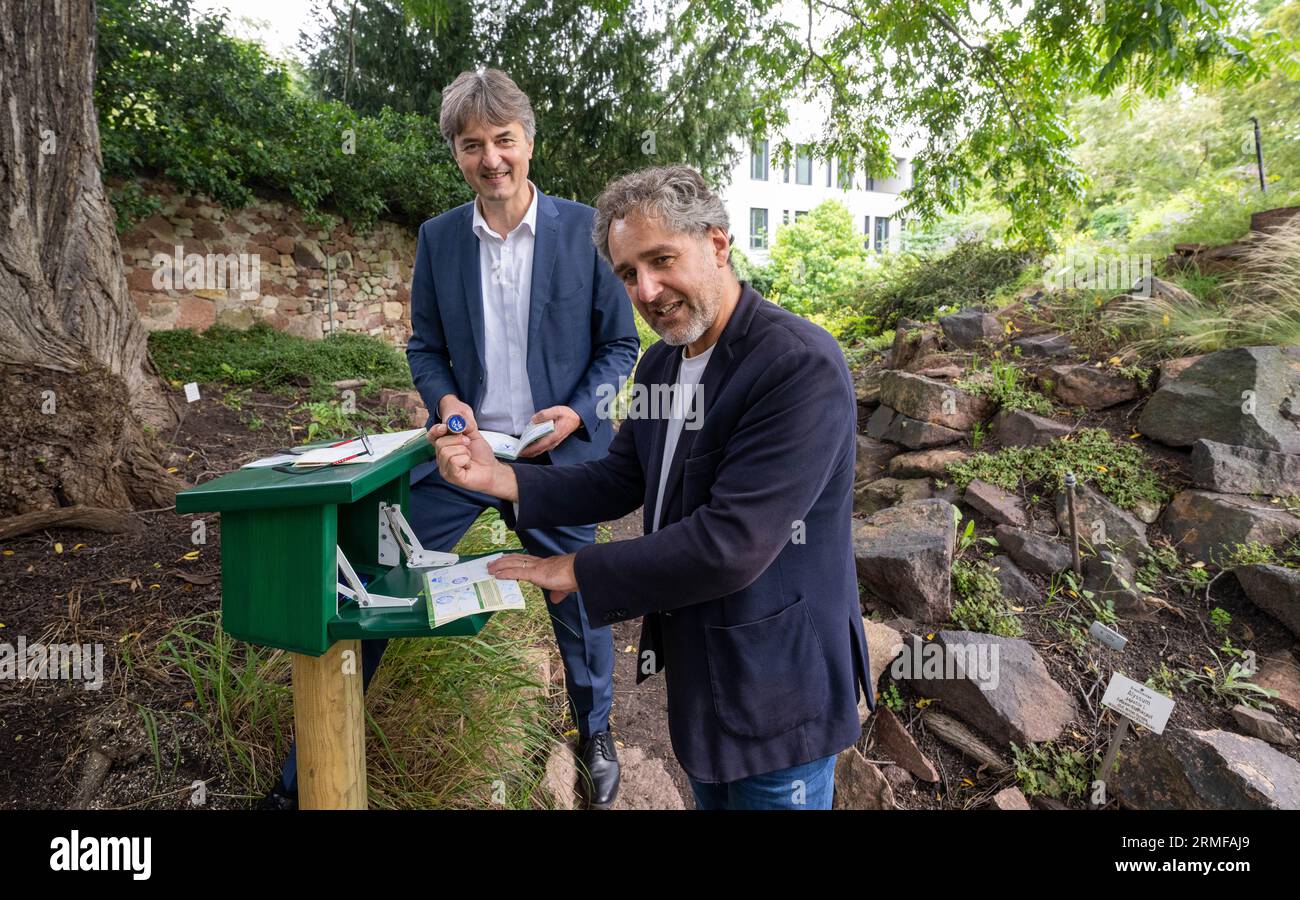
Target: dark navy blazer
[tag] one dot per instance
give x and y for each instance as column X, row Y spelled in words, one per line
column 581, row 331
column 748, row 588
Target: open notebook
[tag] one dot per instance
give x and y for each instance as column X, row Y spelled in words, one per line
column 506, row 446
column 350, row 453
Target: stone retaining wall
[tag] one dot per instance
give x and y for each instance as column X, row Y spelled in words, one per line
column 195, row 263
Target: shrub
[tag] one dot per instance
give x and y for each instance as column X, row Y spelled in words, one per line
column 180, row 98
column 817, row 261
column 970, row 274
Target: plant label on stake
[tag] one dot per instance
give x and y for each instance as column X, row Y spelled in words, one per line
column 1107, row 636
column 1135, row 703
column 1138, row 703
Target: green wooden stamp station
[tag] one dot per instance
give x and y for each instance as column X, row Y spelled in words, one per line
column 285, row 538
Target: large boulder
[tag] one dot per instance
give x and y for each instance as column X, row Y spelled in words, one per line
column 1244, row 470
column 1088, row 386
column 1033, row 551
column 886, row 424
column 936, row 402
column 1172, row 368
column 1018, row 428
column 878, row 423
column 970, row 328
column 1249, row 396
column 876, row 495
column 998, row 685
column 1189, row 769
column 1205, row 525
column 912, row 341
column 1016, row 587
column 1043, row 346
column 925, row 463
column 884, row 643
column 904, row 555
column 873, row 455
column 1003, row 507
column 1112, row 577
column 1274, row 589
column 866, row 387
column 1102, row 522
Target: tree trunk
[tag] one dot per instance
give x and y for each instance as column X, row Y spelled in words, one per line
column 83, row 402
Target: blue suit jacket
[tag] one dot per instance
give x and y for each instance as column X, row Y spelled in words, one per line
column 581, row 333
column 748, row 588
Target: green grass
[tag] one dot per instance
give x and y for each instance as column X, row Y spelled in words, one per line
column 1006, row 384
column 269, row 359
column 1118, row 470
column 1260, row 304
column 453, row 722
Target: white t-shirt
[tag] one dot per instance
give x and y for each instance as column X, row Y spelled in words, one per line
column 689, row 376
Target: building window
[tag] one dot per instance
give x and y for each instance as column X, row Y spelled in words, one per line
column 785, row 217
column 803, row 167
column 882, row 233
column 758, row 161
column 799, row 214
column 787, row 173
column 846, row 175
column 871, row 183
column 866, row 232
column 829, row 166
column 758, row 229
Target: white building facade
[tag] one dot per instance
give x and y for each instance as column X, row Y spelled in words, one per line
column 763, row 196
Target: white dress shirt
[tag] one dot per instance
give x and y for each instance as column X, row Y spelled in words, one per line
column 506, row 279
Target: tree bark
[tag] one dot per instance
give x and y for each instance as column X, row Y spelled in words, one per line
column 76, row 380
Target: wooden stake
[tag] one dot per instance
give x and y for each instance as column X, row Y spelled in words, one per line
column 329, row 718
column 1108, row 762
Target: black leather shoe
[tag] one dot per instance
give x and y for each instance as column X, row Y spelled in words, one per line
column 598, row 771
column 279, row 798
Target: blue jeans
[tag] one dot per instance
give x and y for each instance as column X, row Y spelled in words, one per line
column 807, row 786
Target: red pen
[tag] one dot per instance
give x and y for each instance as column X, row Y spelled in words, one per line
column 346, row 458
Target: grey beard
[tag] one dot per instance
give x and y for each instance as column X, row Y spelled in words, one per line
column 693, row 331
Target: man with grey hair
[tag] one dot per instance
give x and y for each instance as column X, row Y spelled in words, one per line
column 745, row 576
column 517, row 320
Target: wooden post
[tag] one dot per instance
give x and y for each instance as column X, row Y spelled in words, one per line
column 1116, row 738
column 329, row 718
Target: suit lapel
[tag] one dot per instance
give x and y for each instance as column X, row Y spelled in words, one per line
column 471, row 278
column 545, row 250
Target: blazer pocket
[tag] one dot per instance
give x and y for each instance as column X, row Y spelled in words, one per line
column 768, row 676
column 571, row 293
column 698, row 475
